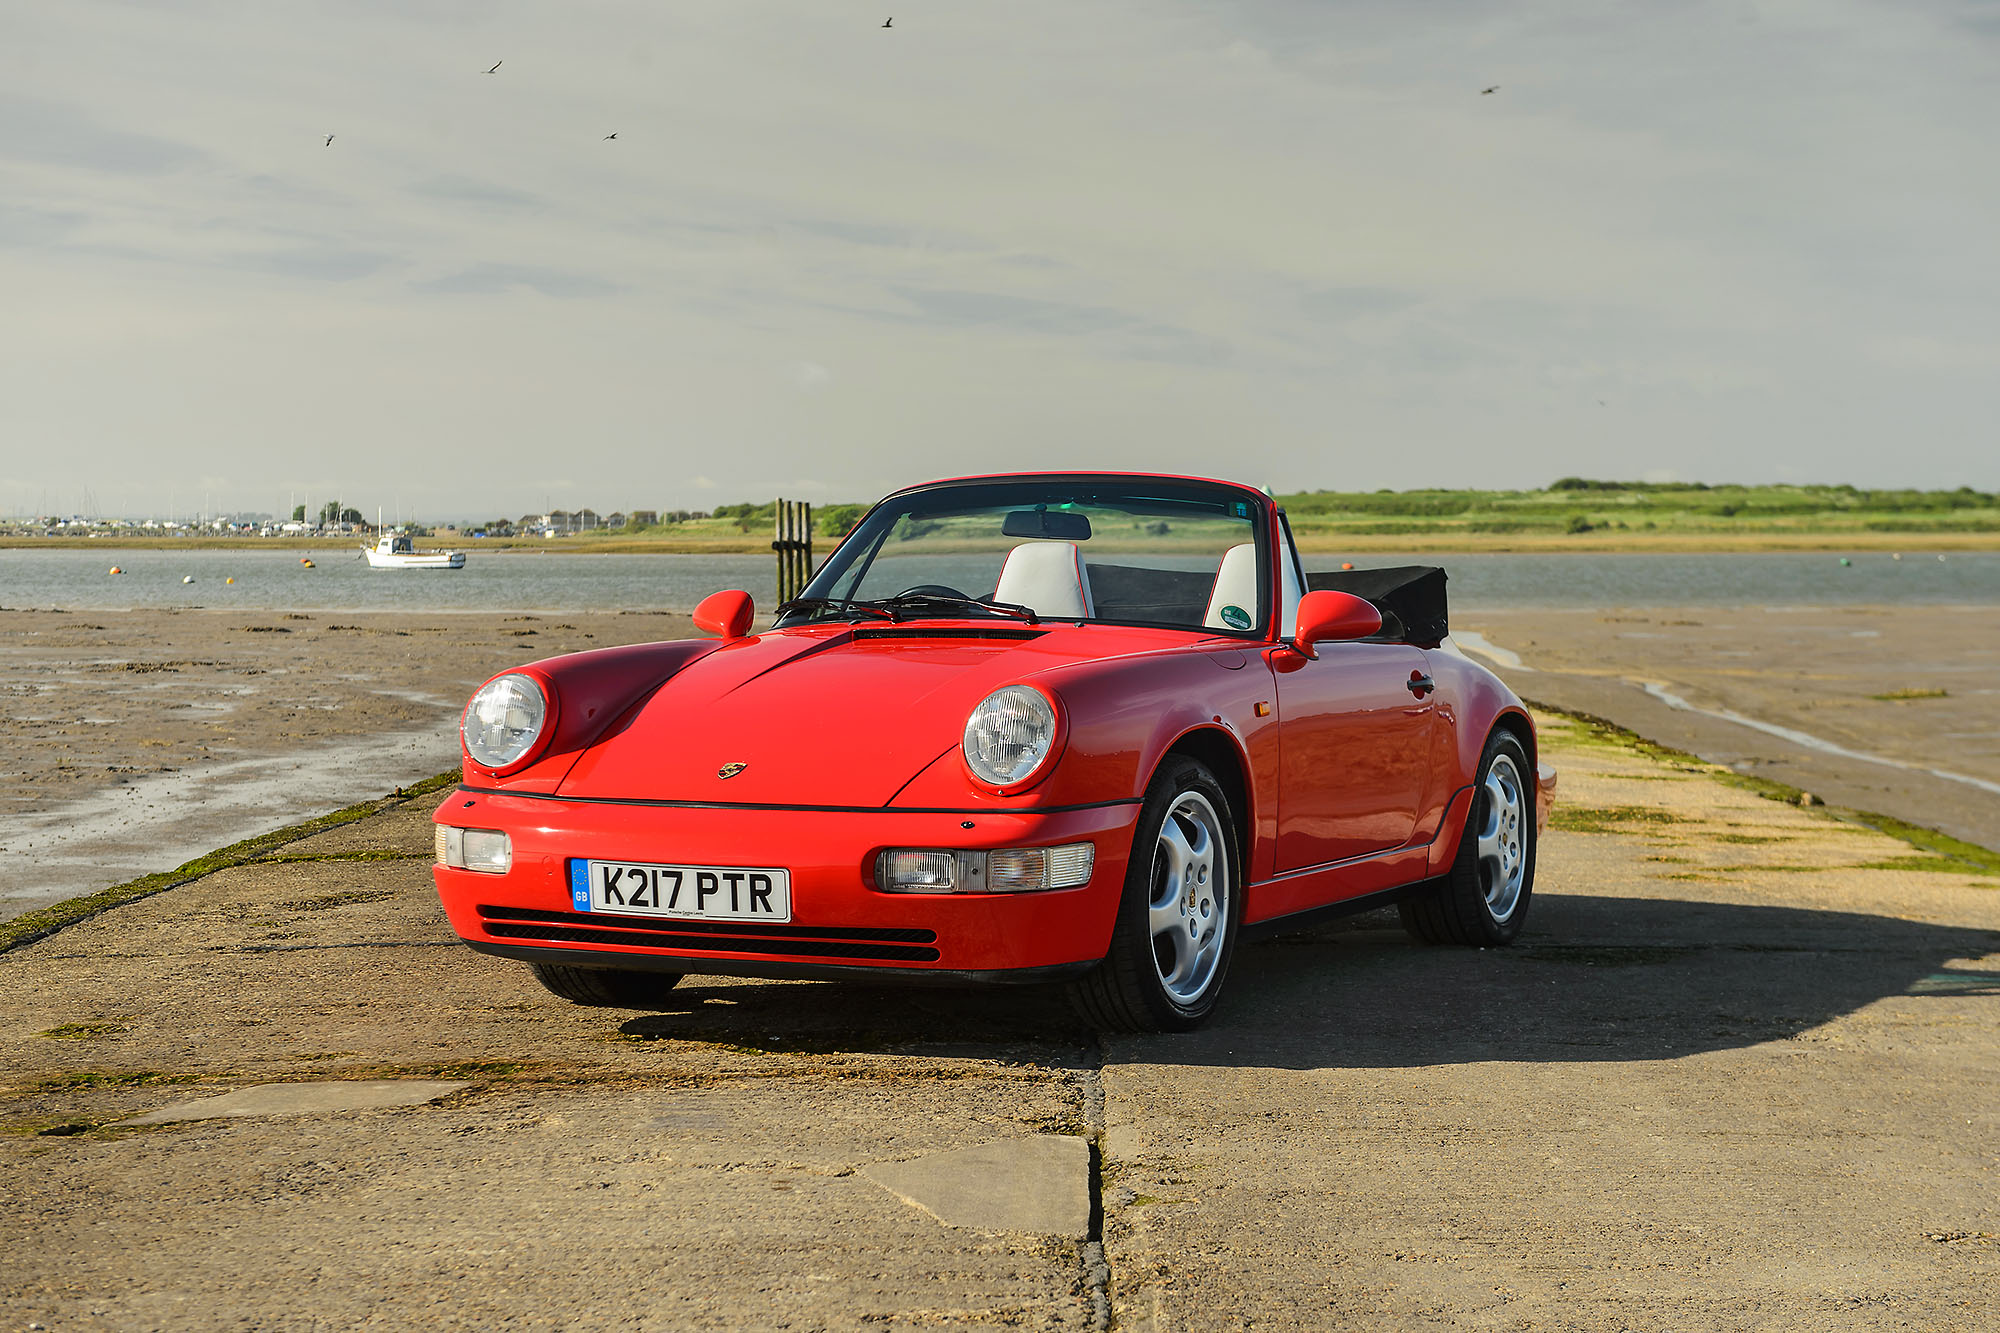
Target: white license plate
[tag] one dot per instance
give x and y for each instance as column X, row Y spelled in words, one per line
column 706, row 893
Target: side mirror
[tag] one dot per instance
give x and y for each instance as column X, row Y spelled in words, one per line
column 1327, row 616
column 725, row 613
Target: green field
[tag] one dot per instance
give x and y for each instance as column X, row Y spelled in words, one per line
column 1574, row 514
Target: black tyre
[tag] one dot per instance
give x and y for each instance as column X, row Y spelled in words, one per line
column 1179, row 914
column 1483, row 899
column 609, row 988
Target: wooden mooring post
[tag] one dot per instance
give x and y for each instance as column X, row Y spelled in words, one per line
column 794, row 545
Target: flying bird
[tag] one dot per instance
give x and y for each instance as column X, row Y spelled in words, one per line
column 886, row 22
column 612, row 135
column 329, row 141
column 496, row 65
column 1488, row 92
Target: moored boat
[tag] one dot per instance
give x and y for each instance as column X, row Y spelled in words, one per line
column 393, row 552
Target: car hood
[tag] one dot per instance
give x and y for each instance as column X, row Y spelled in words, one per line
column 817, row 716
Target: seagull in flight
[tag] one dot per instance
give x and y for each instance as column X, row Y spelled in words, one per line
column 612, row 135
column 496, row 65
column 329, row 142
column 1488, row 92
column 886, row 22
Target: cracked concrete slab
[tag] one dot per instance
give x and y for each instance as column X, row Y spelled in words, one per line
column 1039, row 1184
column 291, row 1099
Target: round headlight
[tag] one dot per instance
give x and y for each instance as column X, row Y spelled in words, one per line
column 504, row 720
column 1009, row 735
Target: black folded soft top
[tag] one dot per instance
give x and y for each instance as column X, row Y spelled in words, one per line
column 1410, row 598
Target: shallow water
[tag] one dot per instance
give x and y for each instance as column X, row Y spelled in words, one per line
column 528, row 581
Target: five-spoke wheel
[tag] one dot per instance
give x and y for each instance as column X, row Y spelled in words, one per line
column 1178, row 918
column 1483, row 898
column 1184, row 910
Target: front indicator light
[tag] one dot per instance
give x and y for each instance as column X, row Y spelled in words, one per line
column 1010, row 870
column 488, row 851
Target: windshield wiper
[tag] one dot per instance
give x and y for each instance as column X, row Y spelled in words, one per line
column 833, row 604
column 917, row 600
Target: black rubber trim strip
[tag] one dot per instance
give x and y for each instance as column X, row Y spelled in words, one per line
column 776, row 970
column 1313, row 916
column 774, row 930
column 668, row 939
column 802, row 809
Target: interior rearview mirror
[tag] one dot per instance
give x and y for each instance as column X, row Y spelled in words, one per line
column 1053, row 524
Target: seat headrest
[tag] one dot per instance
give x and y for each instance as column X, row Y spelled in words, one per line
column 1232, row 603
column 1047, row 576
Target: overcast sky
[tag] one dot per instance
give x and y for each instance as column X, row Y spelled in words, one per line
column 1287, row 242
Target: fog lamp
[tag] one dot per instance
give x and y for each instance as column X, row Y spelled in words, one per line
column 1009, row 870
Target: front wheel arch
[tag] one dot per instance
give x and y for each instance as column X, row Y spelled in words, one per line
column 1218, row 752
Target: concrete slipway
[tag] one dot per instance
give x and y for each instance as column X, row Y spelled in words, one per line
column 1743, row 1072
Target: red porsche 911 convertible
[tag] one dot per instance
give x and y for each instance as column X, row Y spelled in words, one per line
column 1078, row 727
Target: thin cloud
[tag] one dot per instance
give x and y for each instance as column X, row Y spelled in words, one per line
column 494, row 279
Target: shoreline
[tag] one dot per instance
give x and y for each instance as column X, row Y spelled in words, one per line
column 1311, row 541
column 131, row 742
column 141, row 739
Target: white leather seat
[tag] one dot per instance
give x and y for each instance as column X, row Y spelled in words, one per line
column 1236, row 585
column 1049, row 577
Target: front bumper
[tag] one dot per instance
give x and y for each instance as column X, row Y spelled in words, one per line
column 841, row 925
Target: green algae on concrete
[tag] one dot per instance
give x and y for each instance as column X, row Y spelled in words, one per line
column 46, row 921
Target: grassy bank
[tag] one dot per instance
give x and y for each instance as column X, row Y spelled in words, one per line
column 1574, row 514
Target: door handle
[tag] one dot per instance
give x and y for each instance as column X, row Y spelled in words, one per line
column 1420, row 684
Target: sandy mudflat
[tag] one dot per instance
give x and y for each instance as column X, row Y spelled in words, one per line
column 1821, row 672
column 132, row 741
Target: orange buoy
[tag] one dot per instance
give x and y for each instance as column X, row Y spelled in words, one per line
column 229, row 580
column 116, row 570
column 308, row 564
column 1347, row 564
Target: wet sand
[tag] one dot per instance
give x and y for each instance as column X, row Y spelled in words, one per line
column 1824, row 675
column 133, row 741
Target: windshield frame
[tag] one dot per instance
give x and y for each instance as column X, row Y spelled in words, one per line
column 848, row 567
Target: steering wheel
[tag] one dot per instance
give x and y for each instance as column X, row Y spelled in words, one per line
column 934, row 590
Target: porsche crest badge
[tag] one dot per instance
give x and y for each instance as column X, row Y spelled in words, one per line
column 730, row 770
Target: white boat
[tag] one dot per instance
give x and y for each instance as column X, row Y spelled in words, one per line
column 399, row 553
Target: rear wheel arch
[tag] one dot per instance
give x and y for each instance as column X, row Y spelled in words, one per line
column 1523, row 731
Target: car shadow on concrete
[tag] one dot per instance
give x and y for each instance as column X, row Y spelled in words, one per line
column 1029, row 1024
column 1594, row 978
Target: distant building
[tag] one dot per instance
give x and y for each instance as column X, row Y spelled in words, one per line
column 643, row 518
column 615, row 520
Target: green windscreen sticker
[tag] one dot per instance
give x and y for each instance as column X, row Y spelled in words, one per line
column 1235, row 617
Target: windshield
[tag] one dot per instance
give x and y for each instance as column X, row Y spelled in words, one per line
column 1120, row 550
